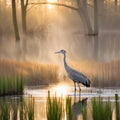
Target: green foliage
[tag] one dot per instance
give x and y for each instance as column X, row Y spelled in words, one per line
column 17, row 109
column 11, row 85
column 4, row 110
column 101, row 110
column 69, row 111
column 54, row 108
column 30, row 109
column 117, row 107
column 84, row 113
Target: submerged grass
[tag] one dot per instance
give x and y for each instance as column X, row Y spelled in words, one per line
column 54, row 108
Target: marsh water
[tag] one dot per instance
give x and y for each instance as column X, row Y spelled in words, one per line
column 79, row 101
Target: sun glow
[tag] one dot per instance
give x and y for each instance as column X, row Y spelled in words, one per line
column 61, row 90
column 51, row 1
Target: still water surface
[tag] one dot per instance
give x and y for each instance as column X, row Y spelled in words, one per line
column 77, row 101
column 39, row 95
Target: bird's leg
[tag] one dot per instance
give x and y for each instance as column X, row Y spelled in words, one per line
column 79, row 91
column 75, row 87
column 79, row 88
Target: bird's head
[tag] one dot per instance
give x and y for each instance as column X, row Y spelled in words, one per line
column 61, row 51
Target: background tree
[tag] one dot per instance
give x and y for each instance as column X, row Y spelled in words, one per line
column 24, row 4
column 15, row 24
column 83, row 12
column 96, row 17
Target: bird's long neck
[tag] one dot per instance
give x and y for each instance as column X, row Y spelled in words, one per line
column 65, row 63
column 65, row 60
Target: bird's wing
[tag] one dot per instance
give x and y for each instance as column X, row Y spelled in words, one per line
column 78, row 77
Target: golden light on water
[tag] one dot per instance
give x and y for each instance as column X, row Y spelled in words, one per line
column 51, row 1
column 61, row 90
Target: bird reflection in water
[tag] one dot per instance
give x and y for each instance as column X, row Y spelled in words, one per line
column 78, row 107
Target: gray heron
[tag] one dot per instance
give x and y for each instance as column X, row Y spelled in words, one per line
column 76, row 76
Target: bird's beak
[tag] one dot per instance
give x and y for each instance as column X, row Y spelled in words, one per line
column 57, row 52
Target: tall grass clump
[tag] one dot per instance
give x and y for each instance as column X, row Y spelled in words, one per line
column 17, row 109
column 101, row 110
column 4, row 110
column 42, row 74
column 69, row 111
column 54, row 108
column 84, row 113
column 30, row 109
column 11, row 85
column 117, row 107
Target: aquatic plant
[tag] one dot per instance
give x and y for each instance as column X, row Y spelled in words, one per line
column 84, row 113
column 17, row 109
column 117, row 106
column 4, row 110
column 30, row 108
column 101, row 110
column 54, row 108
column 11, row 85
column 69, row 111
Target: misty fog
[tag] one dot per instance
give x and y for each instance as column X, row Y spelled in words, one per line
column 53, row 28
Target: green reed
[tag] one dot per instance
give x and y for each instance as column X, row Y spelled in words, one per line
column 11, row 85
column 69, row 111
column 101, row 110
column 17, row 109
column 54, row 108
column 84, row 113
column 117, row 106
column 4, row 110
column 30, row 109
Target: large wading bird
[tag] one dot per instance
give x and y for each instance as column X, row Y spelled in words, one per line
column 76, row 76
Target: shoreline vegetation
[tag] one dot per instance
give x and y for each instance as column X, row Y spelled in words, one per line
column 58, row 108
column 15, row 75
column 11, row 85
column 101, row 74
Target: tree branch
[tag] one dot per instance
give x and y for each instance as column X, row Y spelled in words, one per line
column 57, row 4
column 26, row 3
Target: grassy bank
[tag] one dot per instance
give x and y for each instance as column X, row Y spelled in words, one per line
column 11, row 85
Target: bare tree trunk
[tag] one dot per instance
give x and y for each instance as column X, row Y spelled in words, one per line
column 17, row 37
column 95, row 47
column 86, row 17
column 96, row 17
column 83, row 12
column 116, row 4
column 23, row 11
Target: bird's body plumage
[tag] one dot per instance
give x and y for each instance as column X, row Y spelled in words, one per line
column 76, row 76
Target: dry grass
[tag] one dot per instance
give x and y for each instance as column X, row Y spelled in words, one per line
column 34, row 73
column 100, row 73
